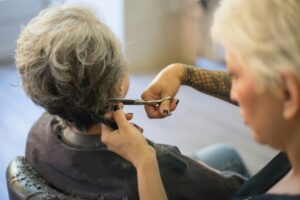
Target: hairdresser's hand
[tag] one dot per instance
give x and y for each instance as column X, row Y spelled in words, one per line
column 129, row 116
column 166, row 83
column 127, row 141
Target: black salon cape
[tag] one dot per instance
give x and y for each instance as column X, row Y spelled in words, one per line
column 102, row 174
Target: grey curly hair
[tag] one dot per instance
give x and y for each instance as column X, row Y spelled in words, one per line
column 70, row 63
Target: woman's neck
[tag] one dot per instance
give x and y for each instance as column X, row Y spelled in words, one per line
column 290, row 183
column 292, row 147
column 293, row 152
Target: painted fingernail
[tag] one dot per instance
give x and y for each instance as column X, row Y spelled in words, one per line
column 177, row 102
column 130, row 113
column 165, row 111
column 139, row 128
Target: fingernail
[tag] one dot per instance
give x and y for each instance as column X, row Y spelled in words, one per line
column 130, row 113
column 139, row 128
column 177, row 102
column 165, row 111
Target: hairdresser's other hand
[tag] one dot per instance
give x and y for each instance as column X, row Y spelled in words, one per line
column 127, row 141
column 129, row 116
column 166, row 83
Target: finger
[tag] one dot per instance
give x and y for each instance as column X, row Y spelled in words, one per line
column 119, row 116
column 153, row 112
column 146, row 95
column 164, row 108
column 173, row 104
column 138, row 127
column 129, row 116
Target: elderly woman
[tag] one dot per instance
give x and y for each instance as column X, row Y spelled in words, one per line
column 262, row 43
column 71, row 64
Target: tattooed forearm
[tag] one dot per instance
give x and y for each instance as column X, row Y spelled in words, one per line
column 215, row 83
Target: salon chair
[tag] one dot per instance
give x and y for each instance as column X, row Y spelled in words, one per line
column 24, row 183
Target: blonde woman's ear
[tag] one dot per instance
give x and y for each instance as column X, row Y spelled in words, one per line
column 291, row 96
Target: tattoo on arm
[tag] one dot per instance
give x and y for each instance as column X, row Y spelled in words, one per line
column 215, row 83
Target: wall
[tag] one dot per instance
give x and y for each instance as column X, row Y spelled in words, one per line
column 152, row 33
column 14, row 14
column 111, row 12
column 158, row 33
column 191, row 35
column 195, row 34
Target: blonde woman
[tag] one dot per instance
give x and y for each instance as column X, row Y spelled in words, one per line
column 71, row 64
column 262, row 43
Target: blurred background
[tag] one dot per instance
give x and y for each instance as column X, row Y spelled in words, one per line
column 154, row 33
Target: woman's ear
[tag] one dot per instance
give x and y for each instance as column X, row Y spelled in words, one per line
column 108, row 115
column 123, row 85
column 291, row 96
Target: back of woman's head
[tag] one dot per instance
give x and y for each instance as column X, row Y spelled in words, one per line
column 70, row 63
column 264, row 34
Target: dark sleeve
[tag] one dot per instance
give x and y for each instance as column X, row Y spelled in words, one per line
column 185, row 178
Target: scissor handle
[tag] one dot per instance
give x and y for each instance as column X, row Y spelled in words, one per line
column 159, row 101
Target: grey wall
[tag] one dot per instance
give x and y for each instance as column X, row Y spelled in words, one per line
column 14, row 14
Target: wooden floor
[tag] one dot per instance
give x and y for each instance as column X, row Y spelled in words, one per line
column 199, row 121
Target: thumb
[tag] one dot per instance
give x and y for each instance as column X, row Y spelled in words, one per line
column 107, row 135
column 120, row 116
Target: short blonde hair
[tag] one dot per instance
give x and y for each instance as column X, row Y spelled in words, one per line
column 70, row 63
column 264, row 34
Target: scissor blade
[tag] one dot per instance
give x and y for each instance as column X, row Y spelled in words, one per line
column 128, row 101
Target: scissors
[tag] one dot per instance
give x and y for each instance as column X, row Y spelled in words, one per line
column 155, row 103
column 113, row 124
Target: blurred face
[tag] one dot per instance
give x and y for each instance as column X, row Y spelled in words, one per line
column 262, row 111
